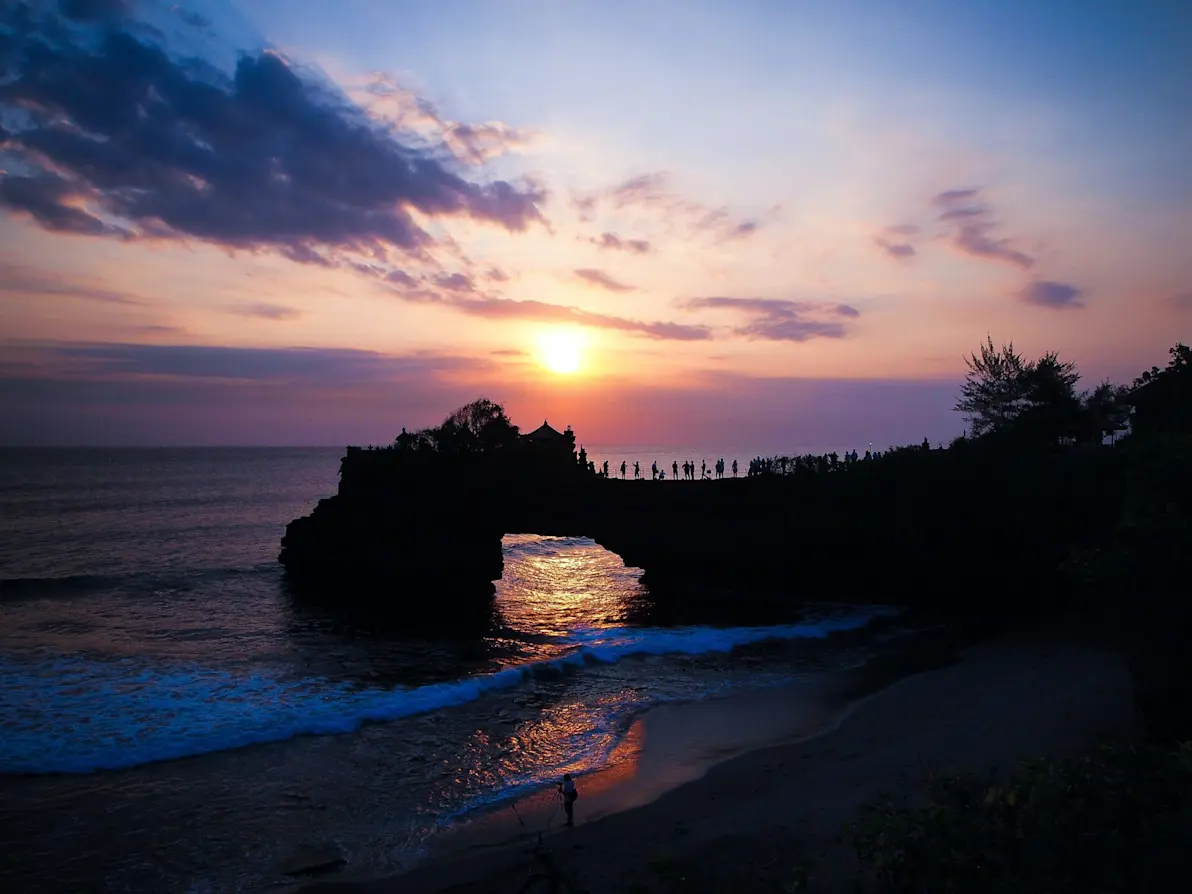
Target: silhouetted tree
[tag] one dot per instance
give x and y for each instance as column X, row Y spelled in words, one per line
column 1162, row 398
column 1107, row 411
column 478, row 427
column 1006, row 395
column 991, row 396
column 1050, row 411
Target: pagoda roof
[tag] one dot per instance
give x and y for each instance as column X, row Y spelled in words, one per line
column 544, row 433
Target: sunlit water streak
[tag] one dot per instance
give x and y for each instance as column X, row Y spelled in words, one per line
column 178, row 719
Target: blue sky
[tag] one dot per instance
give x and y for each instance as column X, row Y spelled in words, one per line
column 688, row 193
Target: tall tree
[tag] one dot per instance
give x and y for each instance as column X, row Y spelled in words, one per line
column 992, row 394
column 1006, row 395
column 1162, row 398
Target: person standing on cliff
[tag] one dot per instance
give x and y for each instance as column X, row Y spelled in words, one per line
column 675, row 470
column 569, row 794
column 622, row 468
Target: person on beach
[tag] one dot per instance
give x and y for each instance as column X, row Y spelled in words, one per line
column 569, row 794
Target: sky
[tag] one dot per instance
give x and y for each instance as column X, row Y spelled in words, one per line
column 764, row 223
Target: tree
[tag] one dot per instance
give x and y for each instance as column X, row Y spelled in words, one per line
column 1006, row 395
column 478, row 427
column 1106, row 410
column 1162, row 398
column 481, row 426
column 1051, row 411
column 991, row 397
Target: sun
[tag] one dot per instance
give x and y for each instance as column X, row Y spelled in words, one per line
column 561, row 351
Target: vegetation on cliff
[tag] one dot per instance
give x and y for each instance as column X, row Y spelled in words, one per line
column 1112, row 819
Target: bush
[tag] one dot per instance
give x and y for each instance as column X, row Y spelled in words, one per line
column 1115, row 819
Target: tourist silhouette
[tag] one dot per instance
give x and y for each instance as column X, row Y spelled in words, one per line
column 637, row 470
column 567, row 790
column 675, row 470
column 734, row 468
column 622, row 468
column 606, row 468
column 654, row 471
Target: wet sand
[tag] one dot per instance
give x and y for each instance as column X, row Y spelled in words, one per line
column 705, row 817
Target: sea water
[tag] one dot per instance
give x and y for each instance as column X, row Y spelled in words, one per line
column 172, row 717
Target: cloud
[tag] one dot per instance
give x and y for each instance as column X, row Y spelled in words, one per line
column 142, row 394
column 93, row 10
column 455, row 282
column 899, row 250
column 507, row 309
column 408, row 114
column 347, row 398
column 601, row 279
column 116, row 138
column 158, row 329
column 18, row 279
column 972, row 225
column 323, row 366
column 903, row 230
column 509, row 352
column 1180, row 300
column 401, row 278
column 1057, row 295
column 950, row 196
column 776, row 319
column 266, row 311
column 194, row 19
column 616, row 243
column 653, row 191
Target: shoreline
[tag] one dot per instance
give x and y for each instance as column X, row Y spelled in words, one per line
column 976, row 701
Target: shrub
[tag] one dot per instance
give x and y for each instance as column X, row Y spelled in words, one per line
column 1115, row 819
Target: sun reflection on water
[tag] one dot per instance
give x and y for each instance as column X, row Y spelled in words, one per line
column 553, row 586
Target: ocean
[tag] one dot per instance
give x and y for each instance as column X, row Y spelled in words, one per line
column 174, row 718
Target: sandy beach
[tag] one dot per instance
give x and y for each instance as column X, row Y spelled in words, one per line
column 708, row 822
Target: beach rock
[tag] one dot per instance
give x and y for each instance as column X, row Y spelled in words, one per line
column 309, row 859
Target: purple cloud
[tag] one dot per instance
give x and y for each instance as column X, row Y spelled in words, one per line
column 777, row 319
column 972, row 226
column 1056, row 295
column 401, row 278
column 900, row 250
column 266, row 311
column 18, row 279
column 951, row 196
column 615, row 242
column 455, row 282
column 654, row 191
column 116, row 138
column 601, row 279
column 508, row 309
column 325, row 366
column 346, row 398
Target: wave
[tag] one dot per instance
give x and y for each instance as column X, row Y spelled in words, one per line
column 79, row 715
column 14, row 588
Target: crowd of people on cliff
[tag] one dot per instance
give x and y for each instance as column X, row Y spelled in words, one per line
column 759, row 465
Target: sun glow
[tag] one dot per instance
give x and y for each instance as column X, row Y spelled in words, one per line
column 561, row 351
